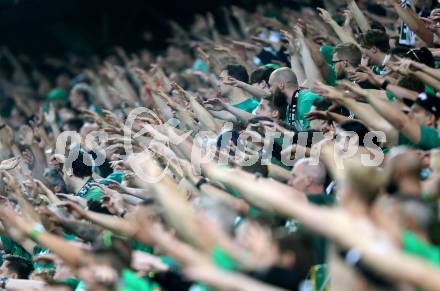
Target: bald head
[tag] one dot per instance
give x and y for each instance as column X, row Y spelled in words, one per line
column 316, row 171
column 284, row 76
column 308, row 176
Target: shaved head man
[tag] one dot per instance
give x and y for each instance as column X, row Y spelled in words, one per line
column 289, row 99
column 308, row 177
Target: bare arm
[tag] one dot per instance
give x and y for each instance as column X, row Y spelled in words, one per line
column 427, row 79
column 21, row 284
column 360, row 18
column 340, row 32
column 311, row 69
column 399, row 120
column 414, row 22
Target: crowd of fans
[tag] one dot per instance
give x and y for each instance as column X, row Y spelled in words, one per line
column 295, row 150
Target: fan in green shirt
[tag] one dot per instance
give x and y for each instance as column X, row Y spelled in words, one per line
column 429, row 139
column 341, row 61
column 289, row 99
column 304, row 102
column 249, row 105
column 237, row 97
column 425, row 111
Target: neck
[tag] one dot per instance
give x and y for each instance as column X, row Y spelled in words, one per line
column 77, row 183
column 356, row 207
column 410, row 186
column 237, row 95
column 380, row 58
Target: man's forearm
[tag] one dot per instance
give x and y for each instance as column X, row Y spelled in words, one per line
column 86, row 231
column 414, row 23
column 360, row 18
column 319, row 60
column 255, row 91
column 241, row 114
column 298, row 69
column 312, row 72
column 428, row 80
column 372, row 118
column 399, row 120
column 21, row 284
column 402, row 93
column 435, row 73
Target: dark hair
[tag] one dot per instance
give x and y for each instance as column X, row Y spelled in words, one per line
column 376, row 38
column 75, row 123
column 238, row 72
column 22, row 267
column 399, row 51
column 422, row 55
column 79, row 166
column 411, row 83
column 279, row 102
column 55, row 178
column 261, row 74
column 96, row 206
column 301, row 246
column 355, row 126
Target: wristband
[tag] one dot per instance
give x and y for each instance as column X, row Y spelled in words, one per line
column 385, row 84
column 35, row 232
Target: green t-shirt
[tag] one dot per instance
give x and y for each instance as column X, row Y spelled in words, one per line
column 304, row 104
column 413, row 245
column 327, row 53
column 132, row 282
column 429, row 139
column 222, row 259
column 321, row 199
column 12, row 248
column 248, row 105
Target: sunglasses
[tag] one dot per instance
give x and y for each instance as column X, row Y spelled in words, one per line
column 413, row 52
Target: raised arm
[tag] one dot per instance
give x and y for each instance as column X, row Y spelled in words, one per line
column 413, row 21
column 391, row 113
column 363, row 111
column 311, row 69
column 340, row 32
column 255, row 91
column 359, row 16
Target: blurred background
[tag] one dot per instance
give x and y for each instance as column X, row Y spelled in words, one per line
column 48, row 27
